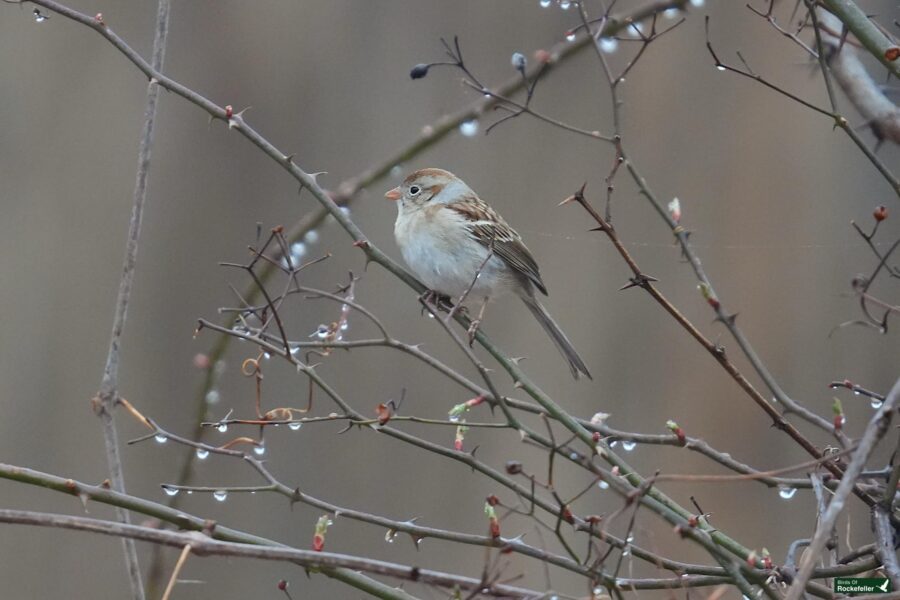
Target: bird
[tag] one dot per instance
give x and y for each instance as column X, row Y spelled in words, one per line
column 458, row 246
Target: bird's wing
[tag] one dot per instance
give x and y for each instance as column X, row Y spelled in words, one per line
column 490, row 230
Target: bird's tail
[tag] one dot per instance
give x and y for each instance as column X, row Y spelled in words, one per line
column 559, row 338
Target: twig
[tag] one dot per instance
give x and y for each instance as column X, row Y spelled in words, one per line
column 108, row 395
column 875, row 430
column 178, row 565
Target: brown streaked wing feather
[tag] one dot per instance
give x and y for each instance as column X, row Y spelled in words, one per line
column 491, row 231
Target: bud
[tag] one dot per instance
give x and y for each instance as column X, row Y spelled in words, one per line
column 542, row 56
column 675, row 210
column 892, row 53
column 880, row 213
column 282, row 585
column 519, row 62
column 513, row 467
column 493, row 500
column 678, row 431
column 419, row 71
column 319, row 537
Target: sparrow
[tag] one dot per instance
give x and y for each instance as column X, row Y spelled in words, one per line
column 460, row 247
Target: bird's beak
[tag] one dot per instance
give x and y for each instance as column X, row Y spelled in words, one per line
column 394, row 194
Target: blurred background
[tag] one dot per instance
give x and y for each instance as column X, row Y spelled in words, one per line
column 767, row 187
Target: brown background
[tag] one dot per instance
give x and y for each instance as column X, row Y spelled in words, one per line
column 766, row 185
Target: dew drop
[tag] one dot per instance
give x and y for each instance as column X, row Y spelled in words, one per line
column 545, row 3
column 39, row 17
column 697, row 2
column 613, row 443
column 570, row 36
column 220, row 495
column 602, row 485
column 390, row 536
column 259, row 450
column 469, row 128
column 876, row 403
column 565, row 4
column 160, row 438
column 311, row 237
column 295, row 349
column 856, row 392
column 786, row 493
column 266, row 355
column 295, row 425
column 628, row 445
column 170, row 491
column 345, row 210
column 720, row 67
column 573, row 456
column 671, row 13
column 630, row 538
column 298, row 250
column 454, row 418
column 222, row 428
column 212, row 396
column 202, row 453
column 609, row 45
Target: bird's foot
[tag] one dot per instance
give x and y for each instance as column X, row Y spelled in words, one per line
column 473, row 329
column 436, row 299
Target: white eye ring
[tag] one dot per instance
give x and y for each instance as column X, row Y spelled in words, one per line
column 414, row 190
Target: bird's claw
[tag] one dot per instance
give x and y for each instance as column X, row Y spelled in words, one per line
column 473, row 329
column 438, row 300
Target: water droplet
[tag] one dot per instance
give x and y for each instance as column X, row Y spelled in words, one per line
column 39, row 17
column 390, row 536
column 602, row 485
column 720, row 67
column 697, row 2
column 212, row 396
column 259, row 450
column 454, row 418
column 573, row 456
column 345, row 210
column 321, row 332
column 626, row 551
column 876, row 403
column 202, row 453
column 170, row 491
column 344, row 326
column 397, row 171
column 469, row 128
column 570, row 36
column 856, row 392
column 630, row 538
column 613, row 443
column 222, row 428
column 220, row 495
column 635, row 30
column 295, row 349
column 189, row 492
column 311, row 237
column 295, row 425
column 671, row 13
column 565, row 4
column 266, row 355
column 160, row 438
column 786, row 492
column 298, row 251
column 609, row 45
column 628, row 445
column 545, row 3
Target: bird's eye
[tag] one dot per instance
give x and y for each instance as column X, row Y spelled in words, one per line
column 414, row 190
